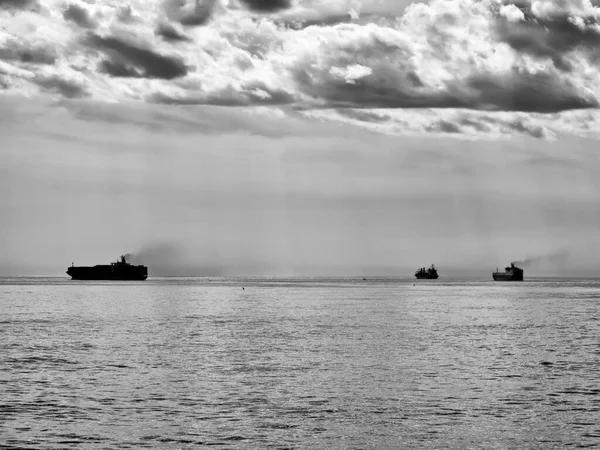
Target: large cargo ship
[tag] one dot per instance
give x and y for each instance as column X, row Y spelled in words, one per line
column 427, row 274
column 512, row 273
column 120, row 270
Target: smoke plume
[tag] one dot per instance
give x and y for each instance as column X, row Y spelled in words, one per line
column 553, row 261
column 172, row 260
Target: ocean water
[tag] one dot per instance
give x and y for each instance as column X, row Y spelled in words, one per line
column 299, row 364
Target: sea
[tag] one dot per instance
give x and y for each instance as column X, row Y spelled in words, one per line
column 299, row 363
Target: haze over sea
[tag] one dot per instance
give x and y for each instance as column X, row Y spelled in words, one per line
column 299, row 363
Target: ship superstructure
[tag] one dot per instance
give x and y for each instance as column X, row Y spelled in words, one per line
column 511, row 273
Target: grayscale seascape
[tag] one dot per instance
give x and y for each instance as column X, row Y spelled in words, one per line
column 299, row 363
column 299, row 224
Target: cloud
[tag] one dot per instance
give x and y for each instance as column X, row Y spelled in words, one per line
column 267, row 5
column 69, row 88
column 244, row 95
column 79, row 15
column 540, row 92
column 169, row 33
column 28, row 53
column 512, row 13
column 17, row 4
column 126, row 14
column 520, row 56
column 544, row 30
column 128, row 59
column 190, row 13
column 488, row 125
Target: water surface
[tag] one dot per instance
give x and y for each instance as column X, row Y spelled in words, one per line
column 299, row 363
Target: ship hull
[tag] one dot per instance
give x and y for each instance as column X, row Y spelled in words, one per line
column 130, row 273
column 504, row 277
column 427, row 277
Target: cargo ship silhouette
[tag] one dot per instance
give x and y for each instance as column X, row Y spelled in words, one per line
column 427, row 274
column 511, row 273
column 120, row 270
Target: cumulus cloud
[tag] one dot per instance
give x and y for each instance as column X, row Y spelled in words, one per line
column 552, row 30
column 512, row 13
column 524, row 56
column 25, row 52
column 79, row 15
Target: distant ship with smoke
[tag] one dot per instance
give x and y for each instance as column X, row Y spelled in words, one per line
column 511, row 273
column 427, row 274
column 120, row 270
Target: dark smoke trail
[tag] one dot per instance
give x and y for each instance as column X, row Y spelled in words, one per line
column 556, row 260
column 172, row 260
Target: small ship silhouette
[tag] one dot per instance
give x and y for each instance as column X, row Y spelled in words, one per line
column 427, row 274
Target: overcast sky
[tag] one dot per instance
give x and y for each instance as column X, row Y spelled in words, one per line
column 310, row 137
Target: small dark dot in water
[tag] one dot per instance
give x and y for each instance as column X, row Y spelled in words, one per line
column 546, row 363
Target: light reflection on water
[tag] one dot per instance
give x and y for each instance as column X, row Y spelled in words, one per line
column 313, row 363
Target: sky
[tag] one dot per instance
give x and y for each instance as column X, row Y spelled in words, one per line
column 296, row 138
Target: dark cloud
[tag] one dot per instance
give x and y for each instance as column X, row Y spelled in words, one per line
column 80, row 16
column 129, row 60
column 393, row 86
column 541, row 92
column 267, row 5
column 390, row 79
column 17, row 4
column 66, row 88
column 34, row 55
column 169, row 33
column 552, row 37
column 386, row 87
